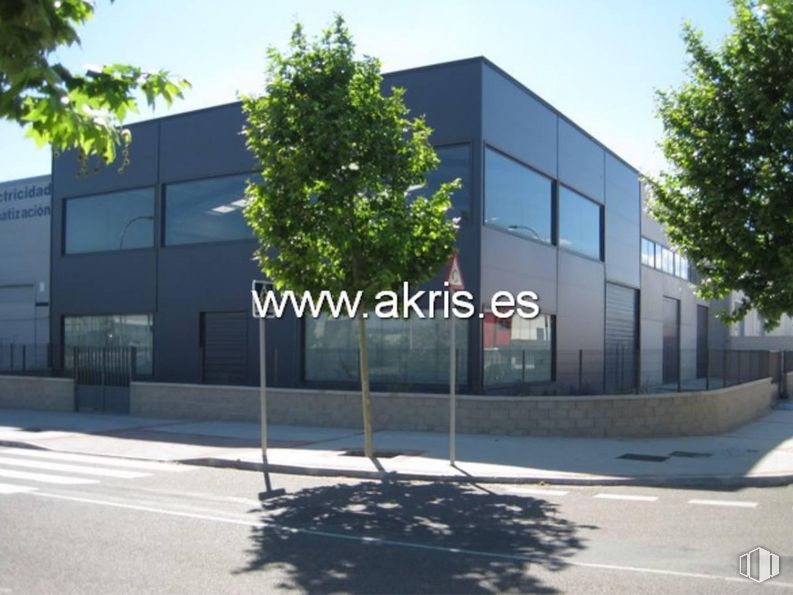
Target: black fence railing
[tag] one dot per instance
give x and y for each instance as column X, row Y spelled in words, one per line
column 111, row 365
column 505, row 370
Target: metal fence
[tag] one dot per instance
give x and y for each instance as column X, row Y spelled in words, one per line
column 88, row 365
column 508, row 371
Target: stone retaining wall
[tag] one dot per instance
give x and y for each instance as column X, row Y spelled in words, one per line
column 32, row 392
column 671, row 414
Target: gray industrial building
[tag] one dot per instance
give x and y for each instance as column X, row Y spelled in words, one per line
column 24, row 262
column 159, row 257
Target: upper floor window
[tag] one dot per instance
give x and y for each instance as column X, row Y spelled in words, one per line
column 455, row 163
column 114, row 221
column 648, row 252
column 579, row 223
column 206, row 211
column 667, row 260
column 516, row 198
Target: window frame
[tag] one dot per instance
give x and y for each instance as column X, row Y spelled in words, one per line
column 553, row 197
column 164, row 220
column 601, row 224
column 64, row 221
column 505, row 385
column 153, row 315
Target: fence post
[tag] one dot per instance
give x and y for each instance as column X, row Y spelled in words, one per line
column 24, row 358
column 707, row 369
column 724, row 368
column 738, row 374
column 102, row 373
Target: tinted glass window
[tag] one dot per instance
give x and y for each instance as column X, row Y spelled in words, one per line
column 517, row 350
column 455, row 163
column 115, row 221
column 114, row 330
column 667, row 261
column 206, row 211
column 648, row 252
column 579, row 223
column 406, row 352
column 516, row 198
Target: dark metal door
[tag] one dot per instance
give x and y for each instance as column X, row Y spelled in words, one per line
column 622, row 338
column 702, row 341
column 224, row 347
column 671, row 357
column 102, row 376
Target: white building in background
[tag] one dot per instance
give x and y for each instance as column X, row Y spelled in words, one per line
column 750, row 333
column 25, row 207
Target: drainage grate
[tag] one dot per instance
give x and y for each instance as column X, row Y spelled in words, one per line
column 381, row 454
column 690, row 455
column 646, row 458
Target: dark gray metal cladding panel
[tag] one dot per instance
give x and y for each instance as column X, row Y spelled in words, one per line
column 580, row 300
column 204, row 144
column 193, row 279
column 511, row 263
column 623, row 223
column 516, row 122
column 139, row 172
column 448, row 95
column 581, row 161
column 110, row 283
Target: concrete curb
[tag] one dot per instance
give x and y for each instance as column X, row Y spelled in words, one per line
column 692, row 481
column 681, row 481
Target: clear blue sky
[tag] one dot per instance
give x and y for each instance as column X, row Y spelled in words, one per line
column 598, row 61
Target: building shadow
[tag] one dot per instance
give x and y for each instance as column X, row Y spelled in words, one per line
column 395, row 537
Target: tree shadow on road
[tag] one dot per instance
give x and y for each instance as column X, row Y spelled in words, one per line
column 411, row 538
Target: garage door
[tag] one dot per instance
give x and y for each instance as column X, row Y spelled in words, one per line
column 224, row 347
column 622, row 314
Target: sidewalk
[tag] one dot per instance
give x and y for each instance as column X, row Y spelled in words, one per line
column 760, row 453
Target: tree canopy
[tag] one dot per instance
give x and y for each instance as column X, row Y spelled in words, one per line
column 727, row 198
column 56, row 105
column 338, row 162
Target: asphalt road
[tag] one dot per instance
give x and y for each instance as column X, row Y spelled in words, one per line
column 76, row 524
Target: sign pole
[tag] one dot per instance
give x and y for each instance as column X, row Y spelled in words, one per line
column 452, row 391
column 260, row 289
column 263, row 400
column 454, row 281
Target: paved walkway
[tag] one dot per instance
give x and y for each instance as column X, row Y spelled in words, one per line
column 760, row 453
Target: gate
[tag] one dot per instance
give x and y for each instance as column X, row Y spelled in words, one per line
column 102, row 376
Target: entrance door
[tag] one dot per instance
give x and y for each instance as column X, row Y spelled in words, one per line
column 101, row 377
column 224, row 347
column 671, row 358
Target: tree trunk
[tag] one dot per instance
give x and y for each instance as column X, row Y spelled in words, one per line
column 366, row 399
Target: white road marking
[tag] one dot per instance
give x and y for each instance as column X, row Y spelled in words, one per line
column 96, row 460
column 47, row 466
column 7, row 488
column 626, row 497
column 537, row 492
column 404, row 544
column 737, row 503
column 45, row 478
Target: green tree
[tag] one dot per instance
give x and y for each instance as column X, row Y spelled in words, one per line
column 338, row 159
column 727, row 198
column 55, row 105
